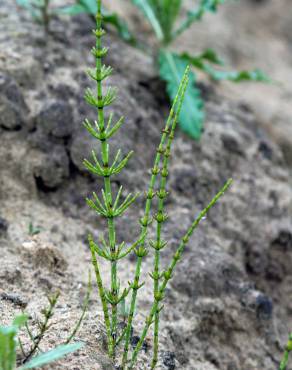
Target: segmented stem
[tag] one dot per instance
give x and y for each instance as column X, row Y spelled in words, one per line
column 103, row 132
column 102, row 295
column 145, row 220
column 161, row 217
column 156, row 322
column 107, row 182
column 169, row 271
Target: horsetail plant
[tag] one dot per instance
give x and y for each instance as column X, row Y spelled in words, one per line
column 110, row 207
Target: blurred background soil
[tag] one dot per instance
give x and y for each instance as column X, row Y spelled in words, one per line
column 229, row 304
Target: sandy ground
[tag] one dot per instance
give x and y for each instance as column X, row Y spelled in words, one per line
column 229, row 304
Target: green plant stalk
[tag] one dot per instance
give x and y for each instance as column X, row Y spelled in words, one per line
column 160, row 219
column 169, row 271
column 145, row 221
column 135, row 287
column 288, row 349
column 102, row 295
column 156, row 289
column 107, row 182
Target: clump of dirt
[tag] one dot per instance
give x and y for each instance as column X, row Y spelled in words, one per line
column 228, row 305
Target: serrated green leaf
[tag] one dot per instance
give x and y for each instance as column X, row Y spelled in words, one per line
column 52, row 355
column 172, row 68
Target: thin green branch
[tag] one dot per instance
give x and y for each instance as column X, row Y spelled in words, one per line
column 169, row 271
column 102, row 295
column 43, row 326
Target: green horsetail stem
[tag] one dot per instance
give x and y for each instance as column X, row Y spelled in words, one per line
column 160, row 218
column 107, row 207
column 102, row 295
column 145, row 221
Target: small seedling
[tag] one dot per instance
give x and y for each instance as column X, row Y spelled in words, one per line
column 110, row 206
column 33, row 230
column 162, row 15
column 9, row 344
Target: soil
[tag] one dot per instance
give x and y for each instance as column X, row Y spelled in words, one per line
column 228, row 306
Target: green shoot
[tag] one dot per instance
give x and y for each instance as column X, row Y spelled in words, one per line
column 160, row 218
column 145, row 221
column 33, row 230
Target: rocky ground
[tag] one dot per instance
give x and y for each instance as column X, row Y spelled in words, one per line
column 228, row 306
